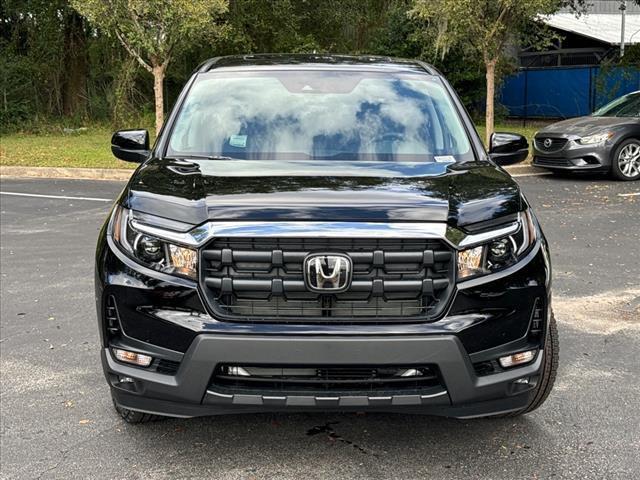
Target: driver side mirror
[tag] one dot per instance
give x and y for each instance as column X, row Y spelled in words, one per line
column 508, row 148
column 131, row 145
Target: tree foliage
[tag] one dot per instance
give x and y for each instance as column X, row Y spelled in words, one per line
column 72, row 61
column 484, row 26
column 153, row 32
column 43, row 48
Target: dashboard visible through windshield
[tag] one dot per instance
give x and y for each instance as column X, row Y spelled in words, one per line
column 319, row 115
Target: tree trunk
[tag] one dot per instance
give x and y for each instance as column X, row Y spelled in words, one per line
column 158, row 83
column 490, row 66
column 74, row 86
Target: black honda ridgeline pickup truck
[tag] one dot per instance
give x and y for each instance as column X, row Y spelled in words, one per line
column 323, row 233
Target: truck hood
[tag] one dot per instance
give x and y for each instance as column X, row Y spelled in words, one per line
column 194, row 191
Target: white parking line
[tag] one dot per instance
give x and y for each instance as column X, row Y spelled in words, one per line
column 634, row 194
column 59, row 197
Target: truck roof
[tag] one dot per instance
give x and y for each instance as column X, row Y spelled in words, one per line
column 295, row 61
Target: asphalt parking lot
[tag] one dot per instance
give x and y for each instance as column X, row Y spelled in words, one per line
column 58, row 422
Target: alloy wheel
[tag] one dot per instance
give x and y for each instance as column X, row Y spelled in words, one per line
column 629, row 160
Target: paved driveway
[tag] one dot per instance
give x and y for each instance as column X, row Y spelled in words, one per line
column 57, row 419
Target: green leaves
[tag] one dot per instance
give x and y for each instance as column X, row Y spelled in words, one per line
column 153, row 31
column 487, row 26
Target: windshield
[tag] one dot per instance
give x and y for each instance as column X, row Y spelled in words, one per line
column 627, row 106
column 311, row 115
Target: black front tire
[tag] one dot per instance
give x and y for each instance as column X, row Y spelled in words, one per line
column 132, row 417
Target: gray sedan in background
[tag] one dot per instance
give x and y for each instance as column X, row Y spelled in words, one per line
column 606, row 141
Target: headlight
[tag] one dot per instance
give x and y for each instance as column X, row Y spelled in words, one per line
column 153, row 252
column 597, row 138
column 499, row 253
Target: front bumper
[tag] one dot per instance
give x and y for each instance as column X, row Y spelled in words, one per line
column 574, row 157
column 167, row 319
column 189, row 394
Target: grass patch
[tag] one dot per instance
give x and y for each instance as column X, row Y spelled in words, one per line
column 91, row 148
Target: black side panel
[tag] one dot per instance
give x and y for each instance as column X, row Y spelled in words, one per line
column 146, row 328
column 133, row 291
column 513, row 297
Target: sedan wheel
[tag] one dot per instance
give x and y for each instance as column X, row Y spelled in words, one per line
column 626, row 162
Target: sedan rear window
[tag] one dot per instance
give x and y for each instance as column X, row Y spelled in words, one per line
column 319, row 114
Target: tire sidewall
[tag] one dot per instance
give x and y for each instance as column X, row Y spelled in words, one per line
column 615, row 168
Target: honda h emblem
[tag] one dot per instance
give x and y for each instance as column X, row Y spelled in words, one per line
column 329, row 273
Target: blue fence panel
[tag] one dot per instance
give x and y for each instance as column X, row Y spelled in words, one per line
column 611, row 84
column 558, row 92
column 564, row 92
column 513, row 92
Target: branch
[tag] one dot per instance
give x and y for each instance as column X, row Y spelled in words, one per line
column 168, row 57
column 493, row 47
column 133, row 53
column 497, row 23
column 142, row 25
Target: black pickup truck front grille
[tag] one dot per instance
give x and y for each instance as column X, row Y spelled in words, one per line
column 261, row 279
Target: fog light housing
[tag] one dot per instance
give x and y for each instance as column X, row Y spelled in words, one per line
column 134, row 358
column 517, row 359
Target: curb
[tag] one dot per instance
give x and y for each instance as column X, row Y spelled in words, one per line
column 120, row 174
column 64, row 172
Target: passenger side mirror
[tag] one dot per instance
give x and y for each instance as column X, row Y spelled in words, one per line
column 130, row 145
column 508, row 148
